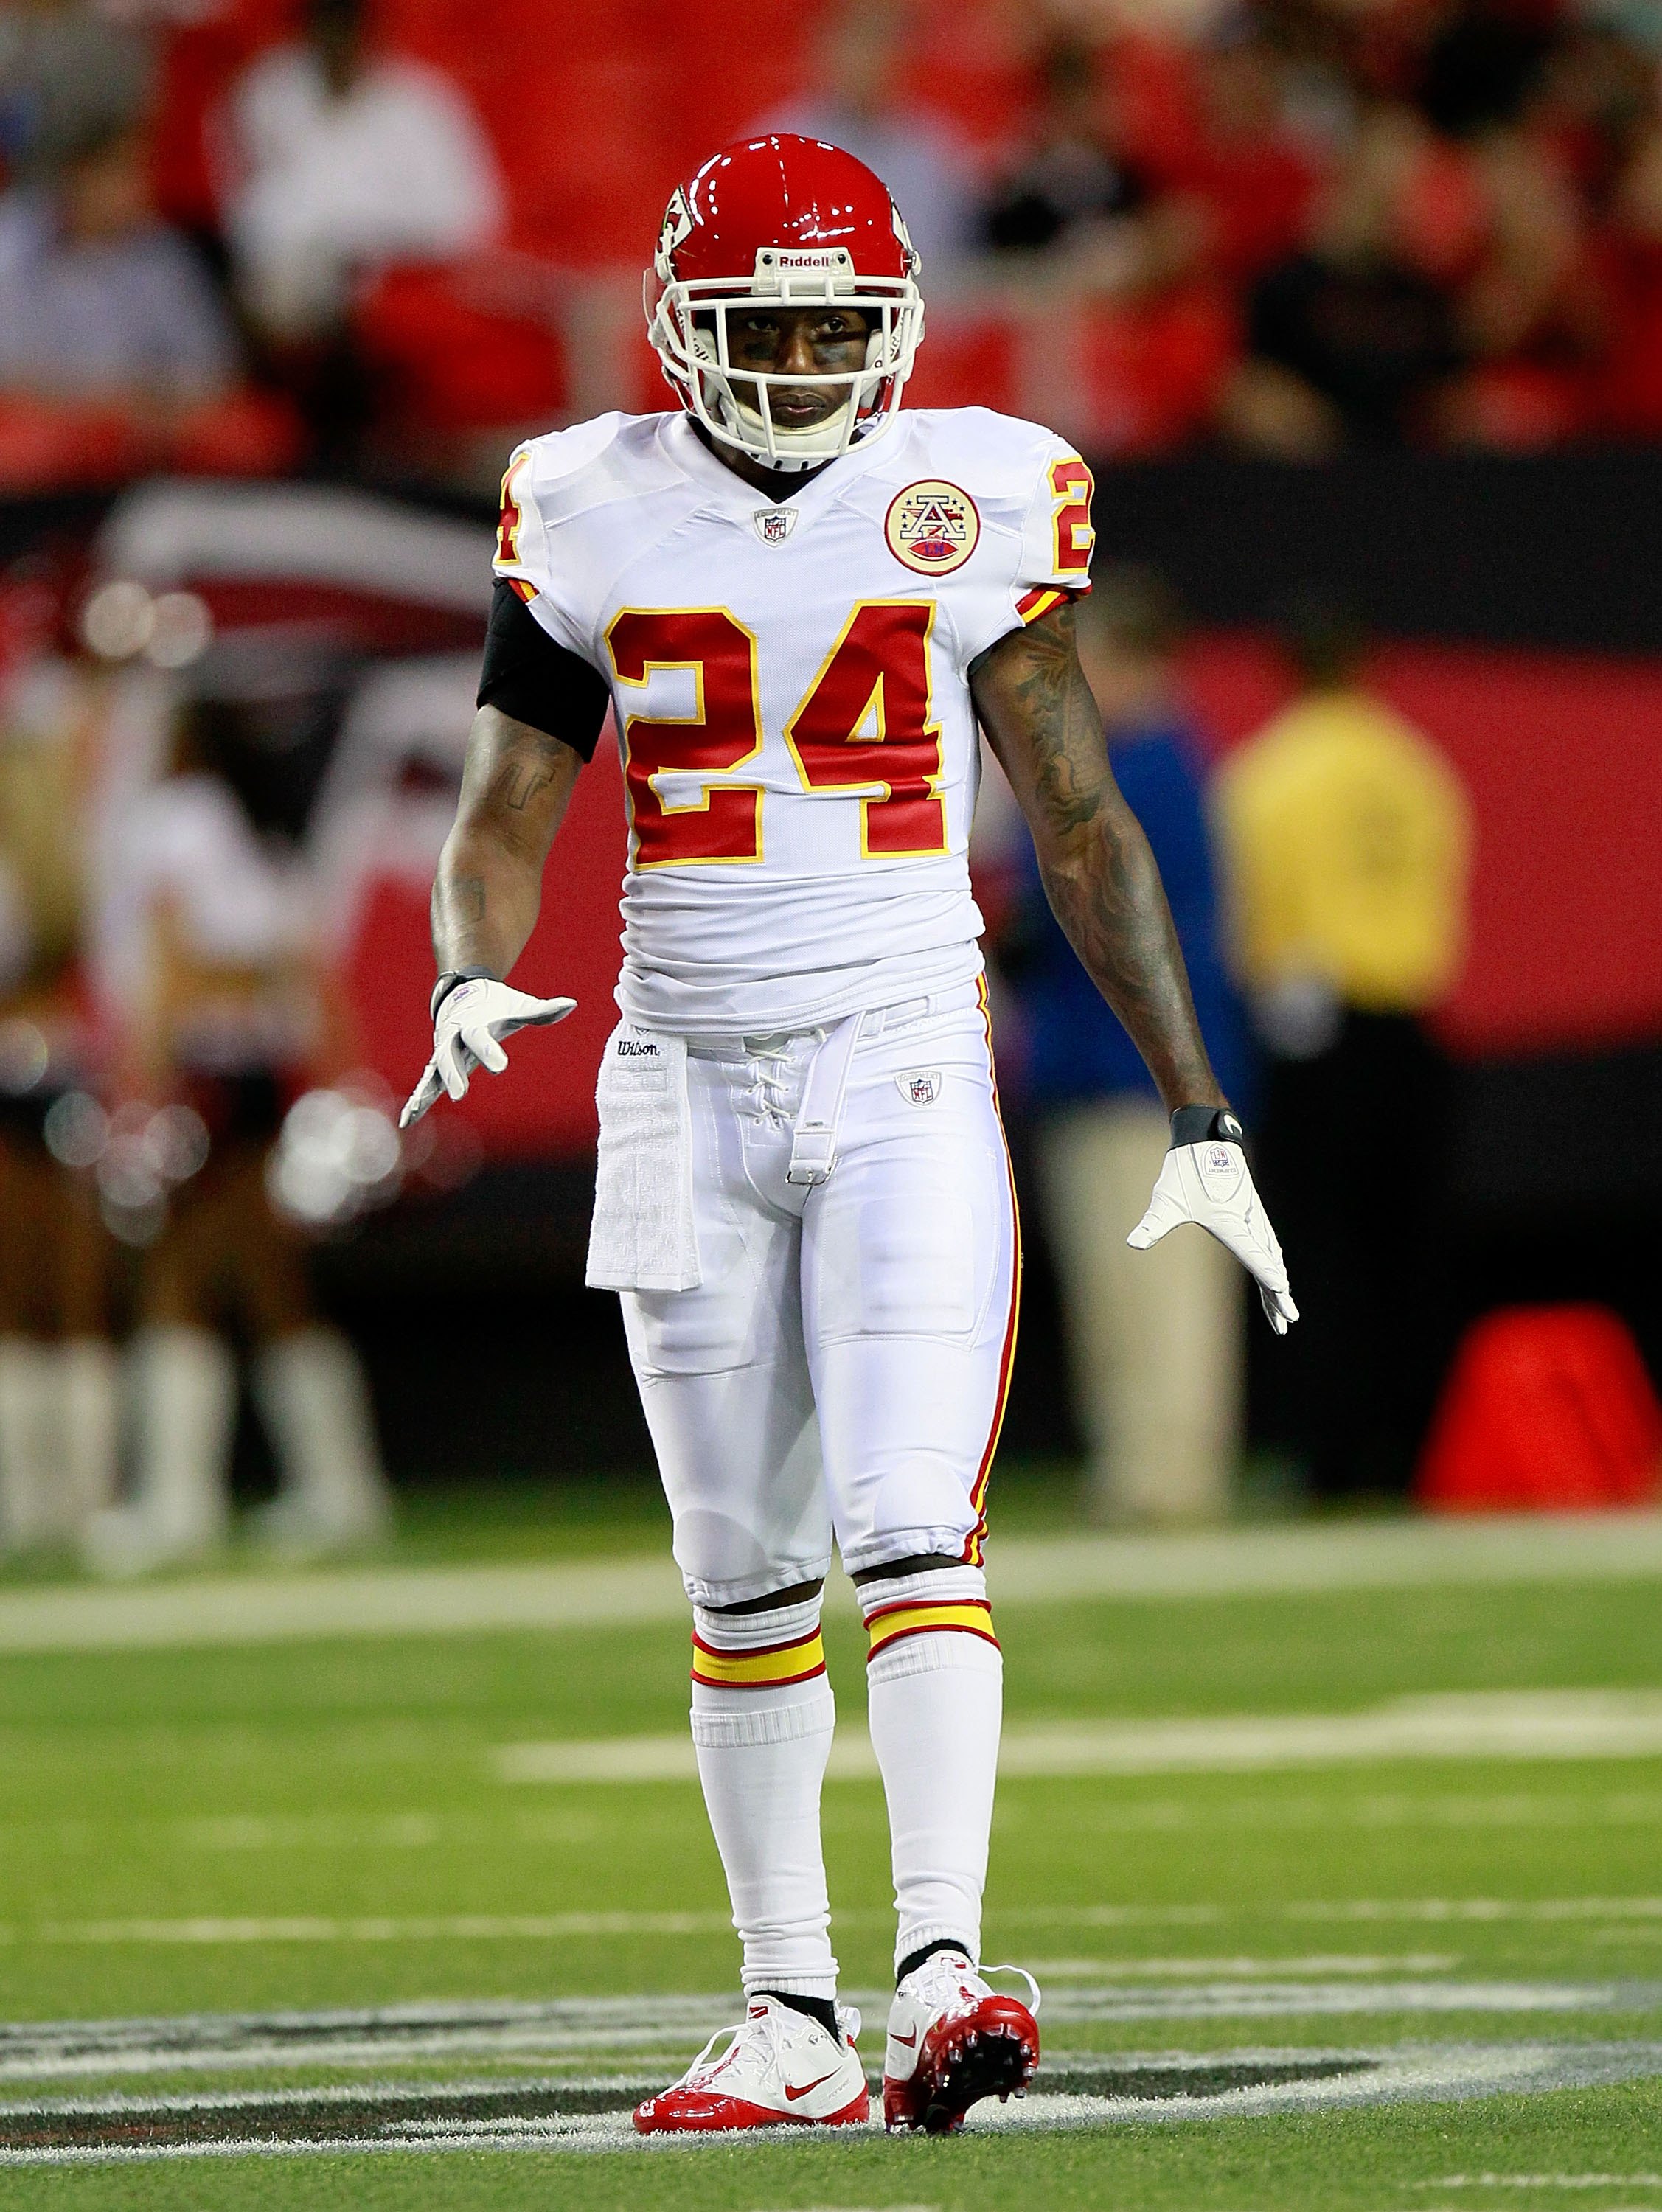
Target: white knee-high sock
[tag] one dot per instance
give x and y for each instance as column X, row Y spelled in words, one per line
column 935, row 1691
column 27, row 1404
column 91, row 1384
column 763, row 1715
column 313, row 1397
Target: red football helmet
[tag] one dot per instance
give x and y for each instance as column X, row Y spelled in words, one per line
column 790, row 222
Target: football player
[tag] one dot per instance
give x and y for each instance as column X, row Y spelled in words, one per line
column 802, row 605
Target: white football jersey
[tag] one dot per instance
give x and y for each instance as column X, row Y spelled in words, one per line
column 791, row 689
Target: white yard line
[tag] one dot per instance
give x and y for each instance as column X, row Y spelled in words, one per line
column 451, row 1928
column 578, row 2030
column 555, row 1927
column 1547, row 1724
column 1024, row 1569
column 1122, row 1970
column 1413, row 2074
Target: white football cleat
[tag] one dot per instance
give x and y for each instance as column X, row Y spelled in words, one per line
column 781, row 2070
column 954, row 2040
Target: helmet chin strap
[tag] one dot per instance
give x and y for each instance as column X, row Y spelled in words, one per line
column 795, row 450
column 758, row 434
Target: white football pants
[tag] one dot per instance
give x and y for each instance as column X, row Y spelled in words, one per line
column 841, row 1369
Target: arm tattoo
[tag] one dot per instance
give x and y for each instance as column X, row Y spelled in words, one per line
column 516, row 784
column 1064, row 731
column 1099, row 873
column 522, row 763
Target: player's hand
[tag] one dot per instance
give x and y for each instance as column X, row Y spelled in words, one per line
column 1210, row 1183
column 468, row 1031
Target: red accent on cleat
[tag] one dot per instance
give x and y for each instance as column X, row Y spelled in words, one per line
column 703, row 2111
column 986, row 2052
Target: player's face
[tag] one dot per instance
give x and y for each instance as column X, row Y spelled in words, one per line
column 802, row 342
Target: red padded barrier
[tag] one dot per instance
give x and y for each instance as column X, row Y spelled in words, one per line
column 1546, row 1409
column 546, row 1106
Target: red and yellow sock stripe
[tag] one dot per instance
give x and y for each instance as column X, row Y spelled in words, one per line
column 891, row 1624
column 765, row 1666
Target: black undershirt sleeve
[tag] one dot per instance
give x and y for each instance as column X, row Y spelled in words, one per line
column 537, row 682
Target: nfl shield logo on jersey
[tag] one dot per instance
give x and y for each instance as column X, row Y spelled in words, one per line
column 931, row 527
column 774, row 525
column 920, row 1086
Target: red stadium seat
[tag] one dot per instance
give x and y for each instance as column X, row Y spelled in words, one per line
column 246, row 433
column 1547, row 1409
column 48, row 444
column 967, row 360
column 451, row 353
column 1155, row 370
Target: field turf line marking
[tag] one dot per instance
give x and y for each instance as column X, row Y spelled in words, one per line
column 1551, row 1725
column 461, row 1927
column 1076, row 1970
column 1413, row 2074
column 489, row 1928
column 250, row 1608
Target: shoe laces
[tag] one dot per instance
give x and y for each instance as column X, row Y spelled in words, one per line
column 939, row 1980
column 756, row 2040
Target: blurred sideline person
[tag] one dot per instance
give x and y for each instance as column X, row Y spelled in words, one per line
column 1155, row 1338
column 1347, row 835
column 225, row 1006
column 99, row 299
column 803, row 604
column 342, row 160
column 69, row 73
column 857, row 102
column 59, row 1385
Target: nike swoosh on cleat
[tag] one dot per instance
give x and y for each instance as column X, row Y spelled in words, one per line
column 794, row 2094
column 909, row 2040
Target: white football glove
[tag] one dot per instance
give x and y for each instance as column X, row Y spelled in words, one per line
column 474, row 1018
column 1210, row 1183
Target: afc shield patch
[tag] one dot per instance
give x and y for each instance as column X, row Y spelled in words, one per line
column 774, row 525
column 931, row 527
column 919, row 1086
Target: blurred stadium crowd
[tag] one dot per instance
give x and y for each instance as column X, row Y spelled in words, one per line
column 378, row 235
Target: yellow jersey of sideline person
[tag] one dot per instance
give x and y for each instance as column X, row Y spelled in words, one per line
column 1346, row 837
column 1349, row 837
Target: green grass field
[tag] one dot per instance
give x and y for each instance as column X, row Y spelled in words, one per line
column 1418, row 1957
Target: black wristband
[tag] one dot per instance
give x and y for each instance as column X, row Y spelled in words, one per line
column 447, row 982
column 1194, row 1125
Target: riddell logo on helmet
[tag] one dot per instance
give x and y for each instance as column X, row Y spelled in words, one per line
column 802, row 257
column 931, row 527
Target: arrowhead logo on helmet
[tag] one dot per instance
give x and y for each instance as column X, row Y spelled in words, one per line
column 676, row 226
column 794, row 223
